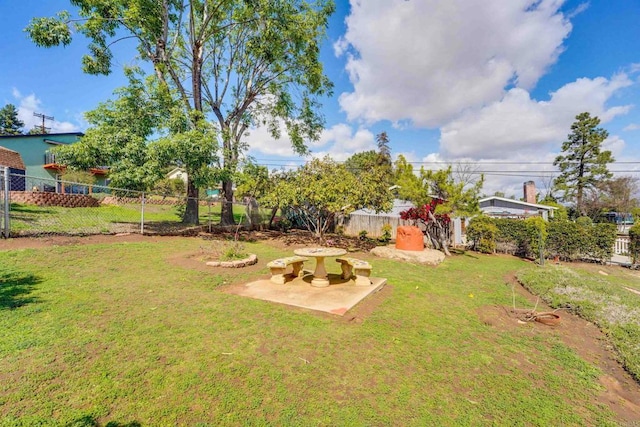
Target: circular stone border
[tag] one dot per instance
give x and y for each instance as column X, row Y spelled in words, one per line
column 252, row 259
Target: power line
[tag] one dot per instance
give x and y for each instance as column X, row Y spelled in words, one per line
column 284, row 162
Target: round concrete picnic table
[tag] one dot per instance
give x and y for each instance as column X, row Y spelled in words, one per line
column 320, row 273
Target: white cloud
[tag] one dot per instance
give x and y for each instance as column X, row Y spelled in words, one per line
column 261, row 141
column 427, row 61
column 615, row 144
column 519, row 124
column 27, row 105
column 632, row 126
column 339, row 141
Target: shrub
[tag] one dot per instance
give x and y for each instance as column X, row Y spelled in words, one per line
column 584, row 221
column 634, row 243
column 522, row 238
column 386, row 233
column 535, row 236
column 510, row 233
column 564, row 239
column 80, row 177
column 482, row 231
column 233, row 252
column 170, row 187
column 602, row 241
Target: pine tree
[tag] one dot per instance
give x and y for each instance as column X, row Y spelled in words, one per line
column 584, row 164
column 10, row 124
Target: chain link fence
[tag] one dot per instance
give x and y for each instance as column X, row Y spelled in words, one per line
column 40, row 207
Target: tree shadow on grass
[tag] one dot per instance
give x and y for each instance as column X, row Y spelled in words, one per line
column 15, row 288
column 89, row 421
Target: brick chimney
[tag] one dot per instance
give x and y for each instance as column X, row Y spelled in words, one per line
column 529, row 189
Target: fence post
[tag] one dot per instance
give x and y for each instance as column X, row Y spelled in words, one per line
column 209, row 214
column 142, row 216
column 5, row 231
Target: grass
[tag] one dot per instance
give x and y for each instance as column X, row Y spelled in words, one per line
column 604, row 299
column 116, row 333
column 33, row 220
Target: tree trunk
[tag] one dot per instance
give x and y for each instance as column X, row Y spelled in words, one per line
column 191, row 212
column 274, row 211
column 226, row 214
column 441, row 238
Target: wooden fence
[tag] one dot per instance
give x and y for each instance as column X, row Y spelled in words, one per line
column 372, row 224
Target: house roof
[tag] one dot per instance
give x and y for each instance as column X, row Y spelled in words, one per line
column 518, row 202
column 176, row 170
column 40, row 134
column 11, row 159
column 398, row 206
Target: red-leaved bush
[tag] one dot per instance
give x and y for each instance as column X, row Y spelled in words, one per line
column 421, row 213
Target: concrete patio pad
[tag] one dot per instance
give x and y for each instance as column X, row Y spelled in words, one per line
column 337, row 298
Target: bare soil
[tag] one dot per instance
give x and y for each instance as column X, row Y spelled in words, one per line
column 620, row 392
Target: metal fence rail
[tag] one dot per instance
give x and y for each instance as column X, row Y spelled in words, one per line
column 54, row 207
column 4, row 202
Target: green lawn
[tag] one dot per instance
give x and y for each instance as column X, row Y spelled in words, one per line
column 119, row 334
column 106, row 219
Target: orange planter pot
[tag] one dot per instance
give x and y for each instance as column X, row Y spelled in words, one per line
column 409, row 238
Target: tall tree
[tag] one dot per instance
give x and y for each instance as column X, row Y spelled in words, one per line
column 583, row 164
column 384, row 151
column 10, row 124
column 236, row 63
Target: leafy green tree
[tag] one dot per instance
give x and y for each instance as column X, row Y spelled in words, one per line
column 371, row 163
column 253, row 183
column 236, row 63
column 410, row 187
column 323, row 189
column 560, row 214
column 139, row 134
column 459, row 197
column 584, row 164
column 10, row 124
column 362, row 161
column 118, row 136
column 37, row 130
column 170, row 187
column 277, row 197
column 620, row 194
column 80, row 177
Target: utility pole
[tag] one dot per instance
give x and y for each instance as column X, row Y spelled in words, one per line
column 43, row 129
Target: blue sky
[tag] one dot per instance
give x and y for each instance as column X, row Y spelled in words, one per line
column 493, row 84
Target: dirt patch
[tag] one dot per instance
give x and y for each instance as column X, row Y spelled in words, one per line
column 621, row 393
column 289, row 239
column 44, row 242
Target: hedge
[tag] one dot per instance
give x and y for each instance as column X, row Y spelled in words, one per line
column 564, row 239
column 634, row 243
column 482, row 232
